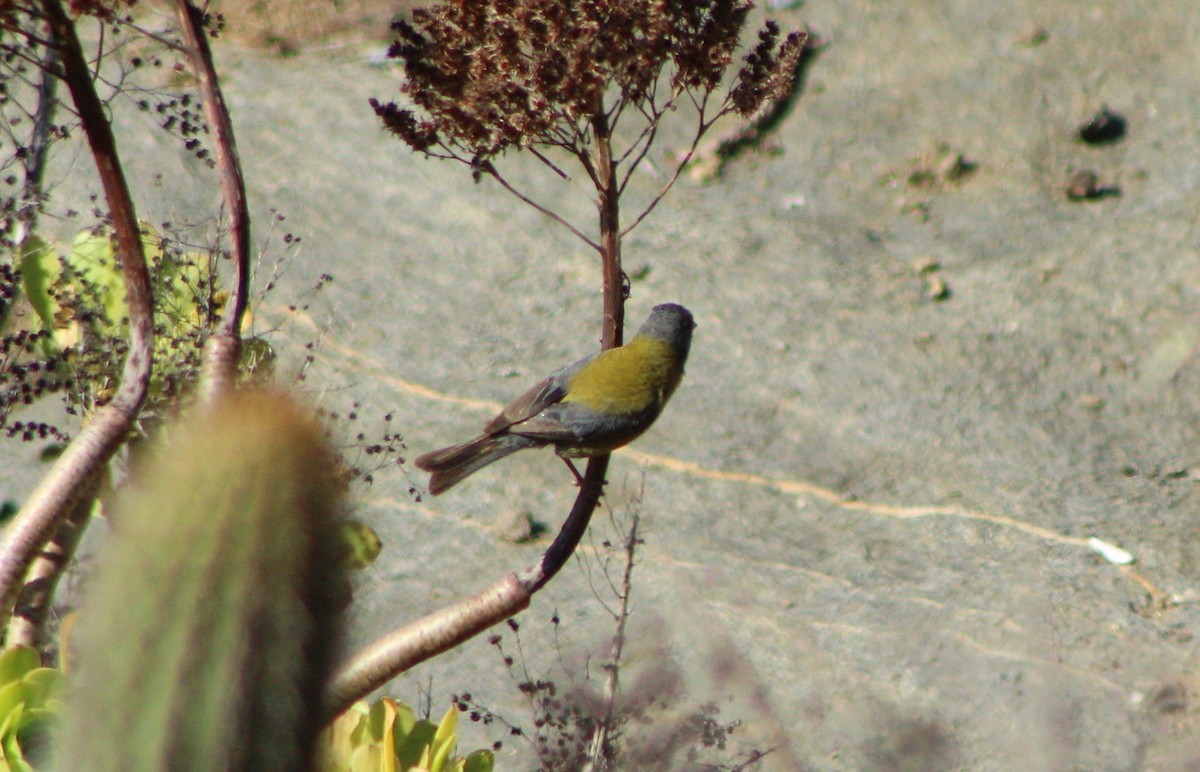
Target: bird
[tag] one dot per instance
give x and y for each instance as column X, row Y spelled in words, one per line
column 589, row 407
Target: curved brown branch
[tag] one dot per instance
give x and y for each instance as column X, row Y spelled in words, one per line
column 442, row 630
column 65, row 484
column 221, row 351
column 379, row 662
column 27, row 627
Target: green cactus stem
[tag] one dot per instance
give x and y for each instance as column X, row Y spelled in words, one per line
column 210, row 625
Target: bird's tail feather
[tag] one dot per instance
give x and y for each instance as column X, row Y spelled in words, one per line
column 449, row 466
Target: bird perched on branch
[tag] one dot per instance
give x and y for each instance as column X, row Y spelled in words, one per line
column 587, row 408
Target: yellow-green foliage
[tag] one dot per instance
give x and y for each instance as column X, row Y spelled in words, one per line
column 29, row 700
column 208, row 630
column 80, row 298
column 89, row 278
column 387, row 737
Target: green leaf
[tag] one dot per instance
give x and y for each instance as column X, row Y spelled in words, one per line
column 448, row 728
column 413, row 744
column 366, row 758
column 441, row 752
column 12, row 753
column 406, row 719
column 14, row 720
column 44, row 683
column 12, row 705
column 362, row 725
column 9, row 719
column 376, row 719
column 480, row 761
column 51, row 451
column 93, row 262
column 362, row 544
column 16, row 662
column 40, row 268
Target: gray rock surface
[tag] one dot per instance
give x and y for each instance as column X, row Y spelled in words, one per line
column 866, row 511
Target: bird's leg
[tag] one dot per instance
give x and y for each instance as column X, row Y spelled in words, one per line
column 574, row 471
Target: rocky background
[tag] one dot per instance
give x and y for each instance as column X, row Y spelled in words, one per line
column 934, row 358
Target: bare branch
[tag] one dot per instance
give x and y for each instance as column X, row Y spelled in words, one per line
column 391, row 655
column 65, row 485
column 222, row 350
column 679, row 167
column 28, row 624
column 644, row 141
column 490, row 169
column 549, row 164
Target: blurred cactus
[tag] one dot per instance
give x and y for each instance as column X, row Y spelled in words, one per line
column 387, row 737
column 210, row 625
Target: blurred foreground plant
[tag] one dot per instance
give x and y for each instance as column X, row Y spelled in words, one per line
column 30, row 699
column 206, row 636
column 388, row 736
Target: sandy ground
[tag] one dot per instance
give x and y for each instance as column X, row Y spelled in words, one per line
column 867, row 510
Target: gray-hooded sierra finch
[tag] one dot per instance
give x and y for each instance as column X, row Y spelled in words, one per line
column 587, row 408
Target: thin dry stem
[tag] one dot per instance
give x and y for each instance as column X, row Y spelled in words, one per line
column 396, row 652
column 598, row 752
column 494, row 174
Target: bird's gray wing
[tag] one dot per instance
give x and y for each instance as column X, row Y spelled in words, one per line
column 542, row 395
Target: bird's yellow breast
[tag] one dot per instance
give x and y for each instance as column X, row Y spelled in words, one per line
column 629, row 379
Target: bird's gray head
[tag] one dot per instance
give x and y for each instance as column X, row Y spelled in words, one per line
column 673, row 323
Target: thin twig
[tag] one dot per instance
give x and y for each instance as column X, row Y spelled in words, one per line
column 39, row 138
column 548, row 163
column 490, row 169
column 646, row 139
column 598, row 753
column 702, row 129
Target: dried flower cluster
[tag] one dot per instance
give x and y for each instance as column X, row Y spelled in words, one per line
column 488, row 75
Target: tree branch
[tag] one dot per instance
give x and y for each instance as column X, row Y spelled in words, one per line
column 222, row 349
column 379, row 662
column 65, row 485
column 27, row 626
column 610, row 233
